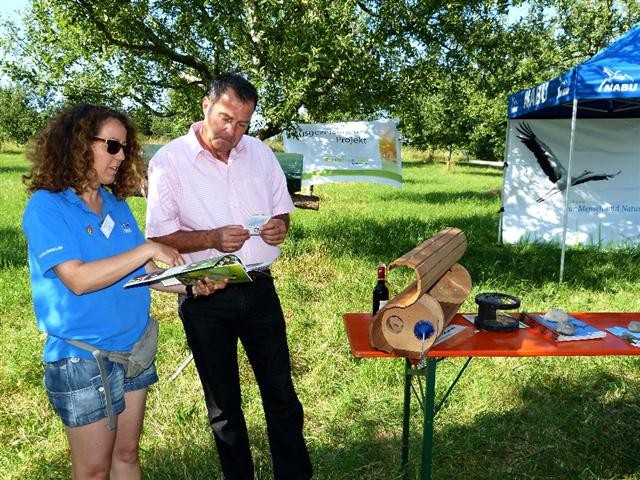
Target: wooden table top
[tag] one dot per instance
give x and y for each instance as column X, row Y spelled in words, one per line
column 525, row 342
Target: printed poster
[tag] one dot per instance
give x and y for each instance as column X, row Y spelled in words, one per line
column 348, row 152
column 604, row 194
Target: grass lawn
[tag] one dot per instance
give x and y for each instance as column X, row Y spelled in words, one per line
column 529, row 418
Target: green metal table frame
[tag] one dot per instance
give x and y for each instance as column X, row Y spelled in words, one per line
column 420, row 379
column 425, row 378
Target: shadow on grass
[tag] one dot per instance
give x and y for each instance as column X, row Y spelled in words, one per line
column 469, row 169
column 14, row 169
column 13, row 248
column 482, row 172
column 581, row 428
column 172, row 463
column 55, row 466
column 17, row 151
column 532, row 264
column 369, row 458
column 564, row 430
column 182, row 463
column 390, row 238
column 433, row 199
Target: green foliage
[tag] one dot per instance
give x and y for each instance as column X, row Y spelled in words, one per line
column 459, row 64
column 587, row 26
column 162, row 55
column 169, row 127
column 444, row 69
column 18, row 118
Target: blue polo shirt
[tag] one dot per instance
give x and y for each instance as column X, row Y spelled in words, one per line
column 60, row 227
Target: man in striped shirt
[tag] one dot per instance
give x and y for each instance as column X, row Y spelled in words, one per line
column 204, row 187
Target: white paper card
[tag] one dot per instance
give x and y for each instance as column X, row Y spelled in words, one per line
column 254, row 223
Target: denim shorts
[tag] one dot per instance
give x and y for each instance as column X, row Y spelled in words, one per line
column 75, row 391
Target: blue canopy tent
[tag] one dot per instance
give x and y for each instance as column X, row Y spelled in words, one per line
column 602, row 87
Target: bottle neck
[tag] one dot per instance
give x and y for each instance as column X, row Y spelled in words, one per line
column 381, row 274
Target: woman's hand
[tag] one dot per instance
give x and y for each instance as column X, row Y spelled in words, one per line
column 84, row 277
column 165, row 254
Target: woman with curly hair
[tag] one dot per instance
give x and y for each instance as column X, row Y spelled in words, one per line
column 83, row 245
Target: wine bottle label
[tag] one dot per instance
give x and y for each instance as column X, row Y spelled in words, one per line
column 383, row 303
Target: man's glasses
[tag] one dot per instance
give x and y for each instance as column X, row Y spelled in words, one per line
column 114, row 146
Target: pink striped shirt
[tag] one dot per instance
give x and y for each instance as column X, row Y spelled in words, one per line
column 189, row 189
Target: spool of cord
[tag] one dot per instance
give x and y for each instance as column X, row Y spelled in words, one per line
column 489, row 304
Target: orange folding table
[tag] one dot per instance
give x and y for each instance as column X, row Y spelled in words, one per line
column 470, row 343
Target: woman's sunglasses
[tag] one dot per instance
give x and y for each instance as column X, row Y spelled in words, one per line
column 114, row 146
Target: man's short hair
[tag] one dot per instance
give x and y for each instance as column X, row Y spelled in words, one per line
column 242, row 87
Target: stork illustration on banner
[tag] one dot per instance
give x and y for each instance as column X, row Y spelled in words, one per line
column 552, row 167
column 613, row 76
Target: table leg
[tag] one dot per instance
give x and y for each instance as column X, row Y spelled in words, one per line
column 427, row 399
column 429, row 413
column 406, row 412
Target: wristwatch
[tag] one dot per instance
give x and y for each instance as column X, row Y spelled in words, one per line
column 190, row 292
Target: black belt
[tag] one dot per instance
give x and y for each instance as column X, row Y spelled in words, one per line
column 260, row 273
column 256, row 274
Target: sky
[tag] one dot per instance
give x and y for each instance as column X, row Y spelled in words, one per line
column 8, row 8
column 8, row 11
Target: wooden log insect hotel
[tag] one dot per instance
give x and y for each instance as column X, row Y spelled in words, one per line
column 410, row 322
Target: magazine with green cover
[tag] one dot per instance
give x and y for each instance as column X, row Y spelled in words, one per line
column 217, row 268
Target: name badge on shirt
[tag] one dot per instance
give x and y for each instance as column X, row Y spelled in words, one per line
column 106, row 227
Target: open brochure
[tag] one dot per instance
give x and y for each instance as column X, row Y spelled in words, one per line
column 448, row 332
column 217, row 268
column 632, row 338
column 583, row 331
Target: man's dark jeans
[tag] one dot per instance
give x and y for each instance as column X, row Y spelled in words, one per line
column 250, row 312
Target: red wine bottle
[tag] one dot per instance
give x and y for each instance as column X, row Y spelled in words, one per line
column 380, row 291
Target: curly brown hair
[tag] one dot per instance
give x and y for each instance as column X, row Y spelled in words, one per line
column 62, row 157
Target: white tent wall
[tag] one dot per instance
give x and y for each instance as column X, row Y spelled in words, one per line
column 599, row 212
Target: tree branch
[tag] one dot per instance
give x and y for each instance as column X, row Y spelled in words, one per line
column 158, row 113
column 157, row 46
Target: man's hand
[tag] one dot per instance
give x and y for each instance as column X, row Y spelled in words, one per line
column 274, row 231
column 206, row 286
column 230, row 238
